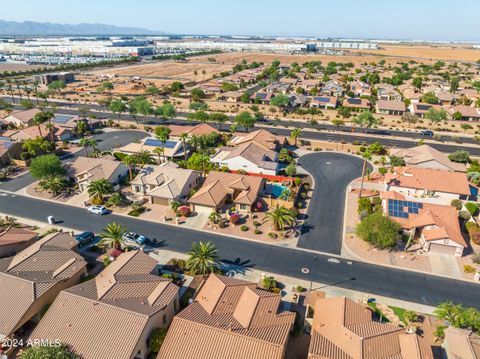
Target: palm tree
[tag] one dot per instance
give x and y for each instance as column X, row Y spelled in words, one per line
column 280, row 217
column 367, row 156
column 184, row 138
column 163, row 134
column 144, row 157
column 203, row 73
column 194, row 141
column 448, row 311
column 35, row 87
column 195, row 73
column 50, row 127
column 296, row 132
column 203, row 258
column 17, row 85
column 112, row 236
column 98, row 189
column 204, row 161
column 87, row 142
column 10, row 89
column 130, row 161
column 38, row 120
column 159, row 151
column 53, row 184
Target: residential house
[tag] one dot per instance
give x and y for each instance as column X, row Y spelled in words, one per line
column 210, row 88
column 387, row 107
column 222, row 187
column 229, row 318
column 360, row 88
column 26, row 133
column 198, row 130
column 445, row 98
column 467, row 113
column 435, row 226
column 114, row 314
column 85, row 170
column 278, row 88
column 165, row 183
column 14, row 240
column 296, row 100
column 356, row 104
column 9, row 150
column 230, row 96
column 21, row 118
column 343, row 329
column 428, row 182
column 425, row 156
column 332, row 88
column 249, row 157
column 461, row 344
column 172, row 148
column 70, row 121
column 420, row 109
column 388, row 92
column 309, row 85
column 31, row 279
column 261, row 137
column 262, row 97
column 324, row 102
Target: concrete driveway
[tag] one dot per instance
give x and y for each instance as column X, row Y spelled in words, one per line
column 331, row 172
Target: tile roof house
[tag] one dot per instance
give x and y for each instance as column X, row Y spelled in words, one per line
column 388, row 107
column 22, row 118
column 420, row 109
column 426, row 156
column 388, row 92
column 356, row 104
column 333, row 88
column 461, row 344
column 9, row 150
column 230, row 96
column 112, row 315
column 360, row 88
column 165, row 183
column 436, row 226
column 173, row 148
column 468, row 113
column 230, row 318
column 343, row 329
column 197, row 130
column 70, row 121
column 243, row 190
column 85, row 170
column 25, row 133
column 262, row 97
column 427, row 182
column 249, row 157
column 324, row 102
column 32, row 279
column 14, row 240
column 260, row 137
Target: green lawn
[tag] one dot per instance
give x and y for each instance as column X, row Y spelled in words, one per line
column 399, row 312
column 378, row 312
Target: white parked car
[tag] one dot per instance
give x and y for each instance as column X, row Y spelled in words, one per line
column 98, row 210
column 134, row 237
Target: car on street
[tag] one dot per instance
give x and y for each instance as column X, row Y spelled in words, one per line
column 84, row 238
column 134, row 237
column 426, row 133
column 98, row 210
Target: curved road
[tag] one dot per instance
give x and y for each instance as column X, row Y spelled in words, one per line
column 331, row 172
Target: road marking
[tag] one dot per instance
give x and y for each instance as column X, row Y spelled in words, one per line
column 305, row 270
column 328, row 163
column 333, row 260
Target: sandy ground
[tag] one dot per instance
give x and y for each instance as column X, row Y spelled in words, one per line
column 6, row 66
column 427, row 52
column 170, row 69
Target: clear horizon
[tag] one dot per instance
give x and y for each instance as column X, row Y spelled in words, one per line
column 426, row 20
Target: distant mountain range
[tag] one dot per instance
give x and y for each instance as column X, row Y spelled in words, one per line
column 30, row 28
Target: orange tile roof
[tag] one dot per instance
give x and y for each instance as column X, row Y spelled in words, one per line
column 16, row 235
column 429, row 180
column 198, row 130
column 423, row 154
column 232, row 319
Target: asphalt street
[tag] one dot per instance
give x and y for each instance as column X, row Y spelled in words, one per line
column 331, row 172
column 372, row 279
column 105, row 142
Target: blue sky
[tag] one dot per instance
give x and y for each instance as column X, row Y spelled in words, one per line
column 406, row 19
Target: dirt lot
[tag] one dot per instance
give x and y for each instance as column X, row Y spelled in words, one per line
column 181, row 71
column 236, row 57
column 6, row 66
column 428, row 52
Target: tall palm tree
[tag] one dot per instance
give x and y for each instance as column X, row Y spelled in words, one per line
column 112, row 236
column 10, row 89
column 203, row 73
column 194, row 141
column 17, row 85
column 163, row 134
column 448, row 311
column 86, row 142
column 159, row 151
column 184, row 138
column 38, row 120
column 144, row 157
column 296, row 132
column 50, row 127
column 203, row 258
column 98, row 189
column 204, row 161
column 367, row 156
column 280, row 217
column 35, row 87
column 130, row 161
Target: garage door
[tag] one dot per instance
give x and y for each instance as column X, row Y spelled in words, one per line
column 159, row 200
column 202, row 209
column 442, row 249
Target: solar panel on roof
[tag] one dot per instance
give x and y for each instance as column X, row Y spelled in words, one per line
column 61, row 118
column 157, row 143
column 354, row 101
column 423, row 107
column 401, row 208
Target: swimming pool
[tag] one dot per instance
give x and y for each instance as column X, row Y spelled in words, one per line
column 276, row 189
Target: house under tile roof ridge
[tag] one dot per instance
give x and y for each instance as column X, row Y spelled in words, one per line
column 16, row 235
column 461, row 343
column 422, row 155
column 255, row 153
column 96, row 168
column 229, row 318
column 262, row 137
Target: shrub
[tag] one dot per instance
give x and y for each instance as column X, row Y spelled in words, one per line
column 378, row 230
column 156, row 339
column 459, row 156
column 300, row 289
column 472, row 208
column 234, row 218
column 476, row 258
column 272, row 235
column 184, row 211
column 244, row 228
column 469, row 269
column 457, row 204
column 221, row 224
column 269, row 283
column 257, row 231
column 473, row 232
column 465, row 215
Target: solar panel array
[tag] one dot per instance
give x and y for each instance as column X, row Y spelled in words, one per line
column 402, row 209
column 355, row 101
column 61, row 118
column 424, row 107
column 322, row 99
column 157, row 143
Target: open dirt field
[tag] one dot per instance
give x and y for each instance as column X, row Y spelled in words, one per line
column 454, row 53
column 181, row 71
column 7, row 66
column 234, row 58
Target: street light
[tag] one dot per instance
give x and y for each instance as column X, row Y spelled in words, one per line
column 313, row 271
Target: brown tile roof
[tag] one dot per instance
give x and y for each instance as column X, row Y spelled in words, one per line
column 16, row 235
column 429, row 180
column 466, row 111
column 24, row 116
column 230, row 318
column 391, row 105
column 261, row 137
column 106, row 316
column 198, row 130
column 25, row 277
column 343, row 329
column 220, row 184
column 258, row 155
column 95, row 168
column 423, row 154
column 462, row 344
column 356, row 103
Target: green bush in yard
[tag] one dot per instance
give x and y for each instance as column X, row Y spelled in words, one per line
column 156, row 339
column 378, row 230
column 49, row 352
column 473, row 232
column 457, row 204
column 45, row 166
column 472, row 207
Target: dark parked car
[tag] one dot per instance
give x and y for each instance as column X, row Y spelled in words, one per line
column 427, row 133
column 84, row 238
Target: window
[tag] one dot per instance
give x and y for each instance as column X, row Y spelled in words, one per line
column 164, row 319
column 175, row 306
column 243, row 207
